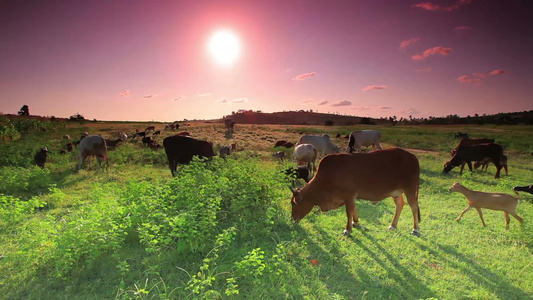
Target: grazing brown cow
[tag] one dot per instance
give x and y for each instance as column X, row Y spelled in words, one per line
column 480, row 152
column 112, row 144
column 472, row 141
column 181, row 149
column 342, row 178
column 149, row 128
column 279, row 143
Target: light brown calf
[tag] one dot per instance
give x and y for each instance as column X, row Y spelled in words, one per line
column 494, row 201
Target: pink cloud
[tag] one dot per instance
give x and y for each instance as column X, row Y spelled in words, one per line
column 304, row 76
column 201, row 95
column 435, row 7
column 432, row 51
column 125, row 93
column 239, row 100
column 410, row 111
column 324, row 102
column 424, row 70
column 427, row 6
column 462, row 28
column 383, row 107
column 361, row 108
column 177, row 98
column 406, row 43
column 374, row 87
column 469, row 79
column 148, row 96
column 223, row 100
column 499, row 72
column 342, row 103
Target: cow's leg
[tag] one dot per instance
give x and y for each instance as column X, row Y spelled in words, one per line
column 463, row 212
column 173, row 164
column 469, row 165
column 398, row 201
column 412, row 200
column 82, row 160
column 517, row 217
column 507, row 220
column 351, row 215
column 498, row 167
column 462, row 168
column 481, row 216
column 505, row 168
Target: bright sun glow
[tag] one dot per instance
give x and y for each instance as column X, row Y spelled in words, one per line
column 224, row 47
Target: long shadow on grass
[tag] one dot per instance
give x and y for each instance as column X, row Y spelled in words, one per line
column 496, row 284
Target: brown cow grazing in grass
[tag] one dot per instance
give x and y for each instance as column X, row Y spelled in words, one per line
column 472, row 141
column 342, row 178
column 181, row 149
column 476, row 153
column 112, row 144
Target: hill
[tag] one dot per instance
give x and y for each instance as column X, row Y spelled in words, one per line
column 300, row 118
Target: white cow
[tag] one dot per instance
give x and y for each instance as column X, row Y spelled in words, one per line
column 365, row 138
column 93, row 145
column 323, row 144
column 305, row 155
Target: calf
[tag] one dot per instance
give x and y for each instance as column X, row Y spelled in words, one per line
column 494, row 201
column 279, row 155
column 224, row 150
column 147, row 140
column 299, row 172
column 484, row 164
column 280, row 143
column 40, row 157
column 112, row 144
column 342, row 178
column 476, row 153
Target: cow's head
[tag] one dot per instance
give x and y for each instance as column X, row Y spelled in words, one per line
column 300, row 207
column 336, row 149
column 448, row 166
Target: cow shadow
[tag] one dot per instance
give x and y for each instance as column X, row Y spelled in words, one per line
column 496, row 284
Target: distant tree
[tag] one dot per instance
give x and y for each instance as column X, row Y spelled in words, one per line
column 24, row 110
column 77, row 117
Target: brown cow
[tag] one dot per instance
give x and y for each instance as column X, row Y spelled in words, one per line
column 468, row 154
column 342, row 178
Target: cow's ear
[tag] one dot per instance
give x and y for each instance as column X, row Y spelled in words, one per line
column 296, row 195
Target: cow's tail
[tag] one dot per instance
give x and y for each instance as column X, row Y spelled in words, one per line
column 351, row 143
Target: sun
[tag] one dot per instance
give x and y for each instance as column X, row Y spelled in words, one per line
column 224, row 46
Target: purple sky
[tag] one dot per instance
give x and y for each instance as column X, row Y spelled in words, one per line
column 149, row 60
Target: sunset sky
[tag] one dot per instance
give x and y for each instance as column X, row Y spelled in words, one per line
column 155, row 60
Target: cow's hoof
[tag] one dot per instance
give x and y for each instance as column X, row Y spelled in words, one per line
column 391, row 228
column 415, row 232
column 346, row 233
column 355, row 224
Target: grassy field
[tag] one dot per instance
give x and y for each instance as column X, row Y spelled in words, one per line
column 222, row 229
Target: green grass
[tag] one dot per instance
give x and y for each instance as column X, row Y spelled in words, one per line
column 222, row 229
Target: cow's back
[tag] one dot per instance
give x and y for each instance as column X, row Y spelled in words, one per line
column 373, row 175
column 182, row 148
column 321, row 143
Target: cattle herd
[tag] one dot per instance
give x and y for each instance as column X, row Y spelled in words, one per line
column 340, row 178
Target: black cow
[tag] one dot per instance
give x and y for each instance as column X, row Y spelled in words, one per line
column 181, row 149
column 298, row 172
column 476, row 153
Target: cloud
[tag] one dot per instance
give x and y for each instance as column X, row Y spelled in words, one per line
column 499, row 72
column 148, row 96
column 462, row 28
column 435, row 7
column 324, row 102
column 342, row 103
column 432, row 51
column 469, row 79
column 383, row 107
column 374, row 87
column 410, row 111
column 424, row 70
column 177, row 98
column 304, row 76
column 239, row 100
column 478, row 77
column 361, row 108
column 406, row 43
column 125, row 93
column 427, row 6
column 200, row 95
column 223, row 100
